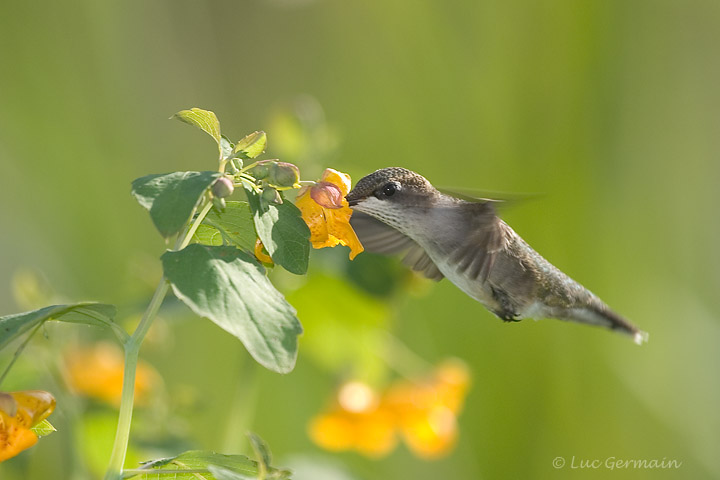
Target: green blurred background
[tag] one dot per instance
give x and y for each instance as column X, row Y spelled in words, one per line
column 609, row 109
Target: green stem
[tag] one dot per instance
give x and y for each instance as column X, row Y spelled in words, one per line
column 198, row 220
column 132, row 351
column 129, row 473
column 248, row 167
column 247, row 179
column 242, row 408
column 400, row 358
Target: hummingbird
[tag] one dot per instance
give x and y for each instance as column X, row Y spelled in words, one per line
column 396, row 211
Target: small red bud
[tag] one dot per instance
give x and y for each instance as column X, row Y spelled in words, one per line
column 222, row 187
column 327, row 195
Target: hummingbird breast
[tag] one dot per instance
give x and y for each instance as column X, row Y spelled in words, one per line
column 486, row 266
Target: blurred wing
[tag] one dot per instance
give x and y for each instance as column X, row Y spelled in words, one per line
column 378, row 237
column 486, row 236
column 485, row 196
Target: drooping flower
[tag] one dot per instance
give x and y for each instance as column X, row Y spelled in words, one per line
column 357, row 421
column 423, row 413
column 427, row 410
column 19, row 412
column 327, row 213
column 97, row 372
column 260, row 253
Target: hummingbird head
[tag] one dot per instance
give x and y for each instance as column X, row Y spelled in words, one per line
column 387, row 193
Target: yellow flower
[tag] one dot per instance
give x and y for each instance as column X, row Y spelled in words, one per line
column 424, row 413
column 371, row 433
column 19, row 412
column 327, row 213
column 427, row 410
column 357, row 421
column 260, row 253
column 430, row 432
column 97, row 372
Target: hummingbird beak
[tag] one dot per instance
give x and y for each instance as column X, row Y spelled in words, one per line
column 352, row 199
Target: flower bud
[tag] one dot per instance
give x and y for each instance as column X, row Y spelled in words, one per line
column 262, row 169
column 223, row 187
column 270, row 195
column 327, row 195
column 219, row 203
column 284, row 174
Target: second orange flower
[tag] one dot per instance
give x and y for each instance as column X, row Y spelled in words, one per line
column 327, row 213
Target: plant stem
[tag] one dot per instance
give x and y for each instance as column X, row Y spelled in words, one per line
column 198, row 220
column 243, row 407
column 132, row 349
column 400, row 358
column 131, row 472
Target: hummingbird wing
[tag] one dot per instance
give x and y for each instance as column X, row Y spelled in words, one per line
column 485, row 237
column 377, row 237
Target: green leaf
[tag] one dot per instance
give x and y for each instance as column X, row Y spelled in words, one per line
column 252, row 145
column 226, row 147
column 207, row 235
column 43, row 429
column 196, row 463
column 235, row 223
column 90, row 313
column 230, row 287
column 221, row 473
column 171, row 197
column 261, row 449
column 205, row 120
column 283, row 232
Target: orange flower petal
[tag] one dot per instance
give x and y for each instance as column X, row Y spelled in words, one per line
column 14, row 438
column 431, row 434
column 332, row 432
column 20, row 411
column 340, row 179
column 375, row 433
column 452, row 380
column 260, row 253
column 343, row 233
column 33, row 406
column 426, row 410
column 97, row 372
column 329, row 226
column 313, row 215
column 356, row 422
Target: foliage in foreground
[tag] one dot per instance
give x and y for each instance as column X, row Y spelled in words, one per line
column 218, row 268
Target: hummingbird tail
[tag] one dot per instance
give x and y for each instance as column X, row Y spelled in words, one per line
column 602, row 315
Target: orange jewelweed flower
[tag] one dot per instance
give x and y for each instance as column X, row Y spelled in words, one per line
column 19, row 412
column 97, row 372
column 427, row 411
column 424, row 413
column 357, row 421
column 260, row 254
column 327, row 213
column 431, row 432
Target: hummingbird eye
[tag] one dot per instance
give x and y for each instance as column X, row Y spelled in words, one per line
column 389, row 189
